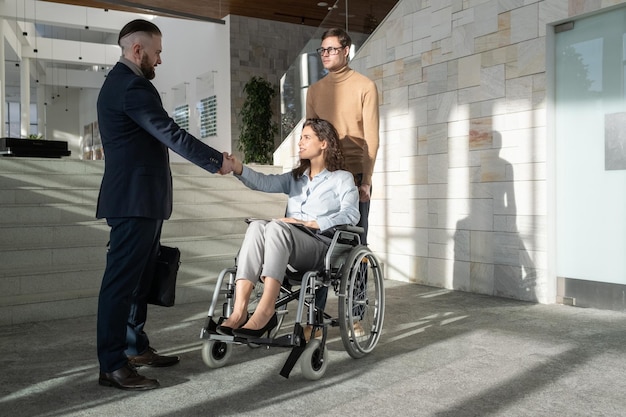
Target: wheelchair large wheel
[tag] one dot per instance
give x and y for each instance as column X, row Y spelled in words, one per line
column 313, row 363
column 215, row 353
column 361, row 302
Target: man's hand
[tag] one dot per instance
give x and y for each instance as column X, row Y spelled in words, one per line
column 364, row 193
column 227, row 165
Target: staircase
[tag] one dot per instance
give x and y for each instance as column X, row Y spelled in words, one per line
column 53, row 250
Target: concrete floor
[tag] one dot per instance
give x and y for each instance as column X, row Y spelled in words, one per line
column 442, row 354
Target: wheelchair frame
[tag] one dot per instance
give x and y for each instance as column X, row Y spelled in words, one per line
column 356, row 276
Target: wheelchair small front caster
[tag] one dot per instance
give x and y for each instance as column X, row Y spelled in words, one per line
column 313, row 363
column 215, row 354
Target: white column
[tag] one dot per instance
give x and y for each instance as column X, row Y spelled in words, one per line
column 25, row 97
column 2, row 82
column 41, row 109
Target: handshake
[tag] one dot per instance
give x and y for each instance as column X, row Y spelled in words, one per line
column 231, row 164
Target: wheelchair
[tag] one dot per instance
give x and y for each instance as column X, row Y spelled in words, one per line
column 355, row 275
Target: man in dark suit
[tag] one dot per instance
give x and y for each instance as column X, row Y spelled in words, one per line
column 135, row 197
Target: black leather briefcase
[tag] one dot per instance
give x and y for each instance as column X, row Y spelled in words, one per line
column 163, row 289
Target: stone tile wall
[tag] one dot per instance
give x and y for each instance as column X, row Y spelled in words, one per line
column 460, row 186
column 261, row 48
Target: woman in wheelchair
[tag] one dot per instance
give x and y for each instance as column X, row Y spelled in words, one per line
column 321, row 195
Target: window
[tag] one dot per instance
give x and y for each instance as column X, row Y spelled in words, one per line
column 13, row 120
column 208, row 116
column 181, row 116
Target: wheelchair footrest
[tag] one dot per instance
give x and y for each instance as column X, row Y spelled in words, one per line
column 284, row 341
column 208, row 329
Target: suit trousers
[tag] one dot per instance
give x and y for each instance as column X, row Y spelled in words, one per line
column 269, row 246
column 122, row 303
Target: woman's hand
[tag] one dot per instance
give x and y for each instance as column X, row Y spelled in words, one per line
column 311, row 223
column 236, row 164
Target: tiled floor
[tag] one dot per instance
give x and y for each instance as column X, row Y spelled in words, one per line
column 442, row 354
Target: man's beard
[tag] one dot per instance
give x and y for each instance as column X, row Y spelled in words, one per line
column 146, row 69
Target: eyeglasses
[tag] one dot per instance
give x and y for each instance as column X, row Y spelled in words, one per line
column 331, row 50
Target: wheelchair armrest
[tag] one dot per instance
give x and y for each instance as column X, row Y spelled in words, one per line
column 342, row 227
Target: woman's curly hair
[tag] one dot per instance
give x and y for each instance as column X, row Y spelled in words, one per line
column 333, row 154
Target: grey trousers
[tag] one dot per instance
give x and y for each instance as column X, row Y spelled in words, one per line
column 269, row 246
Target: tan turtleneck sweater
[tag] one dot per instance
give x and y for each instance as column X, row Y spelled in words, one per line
column 349, row 101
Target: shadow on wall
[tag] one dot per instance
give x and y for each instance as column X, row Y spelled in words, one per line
column 489, row 254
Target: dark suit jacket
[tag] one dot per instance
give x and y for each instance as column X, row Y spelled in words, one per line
column 136, row 133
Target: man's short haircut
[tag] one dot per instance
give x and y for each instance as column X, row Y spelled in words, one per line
column 342, row 35
column 138, row 25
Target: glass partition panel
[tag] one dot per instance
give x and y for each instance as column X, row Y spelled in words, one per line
column 590, row 111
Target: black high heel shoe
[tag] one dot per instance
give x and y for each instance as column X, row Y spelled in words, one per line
column 228, row 331
column 256, row 333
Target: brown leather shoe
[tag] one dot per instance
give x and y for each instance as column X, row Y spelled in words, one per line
column 151, row 358
column 359, row 331
column 307, row 333
column 127, row 378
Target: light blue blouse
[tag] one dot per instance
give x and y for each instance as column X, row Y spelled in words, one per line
column 330, row 198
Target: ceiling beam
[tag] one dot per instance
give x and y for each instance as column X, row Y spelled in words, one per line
column 62, row 15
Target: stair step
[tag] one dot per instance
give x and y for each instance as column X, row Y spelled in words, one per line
column 55, row 180
column 96, row 232
column 88, row 174
column 51, row 284
column 77, row 304
column 30, row 236
column 50, row 166
column 25, row 196
column 55, row 214
column 16, row 260
column 77, row 166
column 75, row 195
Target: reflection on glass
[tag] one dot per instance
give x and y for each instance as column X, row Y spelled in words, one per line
column 307, row 68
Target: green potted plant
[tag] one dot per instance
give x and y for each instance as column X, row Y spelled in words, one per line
column 258, row 129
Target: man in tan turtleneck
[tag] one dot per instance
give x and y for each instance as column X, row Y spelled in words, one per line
column 349, row 101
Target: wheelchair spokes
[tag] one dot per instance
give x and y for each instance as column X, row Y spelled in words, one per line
column 361, row 303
